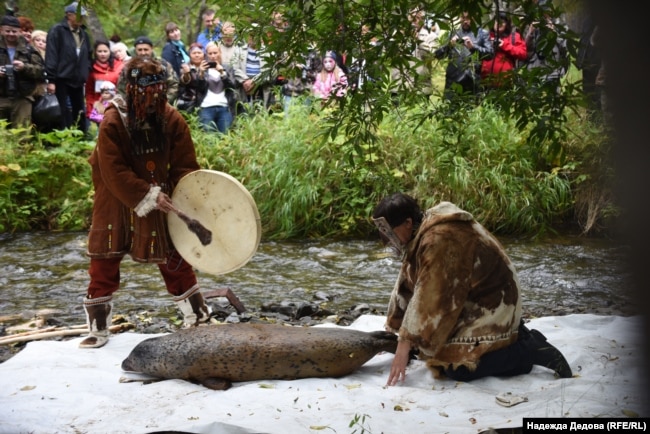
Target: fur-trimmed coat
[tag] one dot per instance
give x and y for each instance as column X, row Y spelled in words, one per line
column 127, row 178
column 457, row 296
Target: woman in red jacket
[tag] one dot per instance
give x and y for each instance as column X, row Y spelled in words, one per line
column 105, row 67
column 509, row 47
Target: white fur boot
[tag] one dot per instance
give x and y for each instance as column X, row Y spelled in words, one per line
column 193, row 306
column 99, row 318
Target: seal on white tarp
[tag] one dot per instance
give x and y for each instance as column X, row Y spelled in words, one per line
column 225, row 207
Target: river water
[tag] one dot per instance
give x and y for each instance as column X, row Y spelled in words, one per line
column 559, row 275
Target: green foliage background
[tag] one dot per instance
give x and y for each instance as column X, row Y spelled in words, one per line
column 521, row 162
column 306, row 186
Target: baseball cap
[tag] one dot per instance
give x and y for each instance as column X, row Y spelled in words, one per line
column 72, row 8
column 142, row 40
column 10, row 21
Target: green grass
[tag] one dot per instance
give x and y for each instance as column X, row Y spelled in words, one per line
column 307, row 187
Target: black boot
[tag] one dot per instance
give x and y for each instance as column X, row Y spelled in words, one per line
column 543, row 353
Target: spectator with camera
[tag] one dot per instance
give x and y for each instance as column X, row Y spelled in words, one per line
column 192, row 80
column 549, row 60
column 466, row 48
column 509, row 48
column 21, row 70
column 217, row 106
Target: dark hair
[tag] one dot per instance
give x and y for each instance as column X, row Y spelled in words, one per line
column 398, row 207
column 170, row 27
column 111, row 56
column 503, row 17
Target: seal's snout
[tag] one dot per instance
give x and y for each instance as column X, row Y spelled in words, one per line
column 127, row 365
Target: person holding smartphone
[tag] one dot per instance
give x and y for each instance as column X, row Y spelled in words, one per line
column 218, row 101
column 192, row 80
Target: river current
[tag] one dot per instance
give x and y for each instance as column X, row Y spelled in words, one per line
column 559, row 275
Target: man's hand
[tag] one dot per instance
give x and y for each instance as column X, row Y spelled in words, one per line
column 164, row 203
column 248, row 85
column 398, row 368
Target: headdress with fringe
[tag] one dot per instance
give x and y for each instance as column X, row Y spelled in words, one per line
column 146, row 100
column 146, row 92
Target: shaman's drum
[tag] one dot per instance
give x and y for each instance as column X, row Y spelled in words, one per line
column 226, row 208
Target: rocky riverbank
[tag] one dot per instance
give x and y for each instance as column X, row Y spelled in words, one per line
column 304, row 313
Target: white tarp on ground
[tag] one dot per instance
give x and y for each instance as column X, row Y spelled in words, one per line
column 55, row 387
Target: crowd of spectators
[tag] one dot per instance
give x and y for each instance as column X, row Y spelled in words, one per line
column 222, row 74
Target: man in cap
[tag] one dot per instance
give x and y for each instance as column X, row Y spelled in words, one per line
column 144, row 148
column 144, row 49
column 67, row 64
column 21, row 70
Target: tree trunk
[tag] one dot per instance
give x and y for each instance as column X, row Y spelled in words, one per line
column 95, row 28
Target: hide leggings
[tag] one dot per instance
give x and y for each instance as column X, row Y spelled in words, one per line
column 104, row 273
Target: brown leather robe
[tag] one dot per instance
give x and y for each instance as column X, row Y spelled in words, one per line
column 457, row 295
column 126, row 177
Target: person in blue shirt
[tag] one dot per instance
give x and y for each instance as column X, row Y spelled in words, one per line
column 212, row 28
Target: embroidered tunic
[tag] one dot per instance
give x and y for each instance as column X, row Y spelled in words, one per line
column 127, row 177
column 457, row 296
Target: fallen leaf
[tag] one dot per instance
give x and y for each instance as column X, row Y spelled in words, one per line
column 630, row 413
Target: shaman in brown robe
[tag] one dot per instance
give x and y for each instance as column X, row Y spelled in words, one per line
column 127, row 177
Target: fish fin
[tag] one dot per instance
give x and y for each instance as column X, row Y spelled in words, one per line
column 382, row 334
column 216, row 383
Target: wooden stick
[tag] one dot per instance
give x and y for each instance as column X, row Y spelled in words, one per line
column 43, row 330
column 31, row 332
column 74, row 330
column 225, row 292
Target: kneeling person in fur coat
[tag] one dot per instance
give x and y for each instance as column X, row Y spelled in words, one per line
column 457, row 300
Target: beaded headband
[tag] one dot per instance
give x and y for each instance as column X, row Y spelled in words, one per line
column 147, row 80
